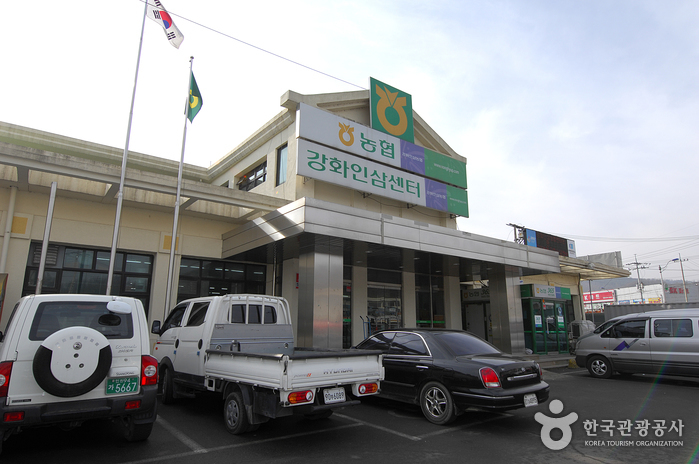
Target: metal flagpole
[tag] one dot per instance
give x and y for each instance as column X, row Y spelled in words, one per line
column 120, row 195
column 45, row 243
column 173, row 242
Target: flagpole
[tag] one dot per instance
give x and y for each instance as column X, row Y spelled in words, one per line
column 173, row 242
column 120, row 195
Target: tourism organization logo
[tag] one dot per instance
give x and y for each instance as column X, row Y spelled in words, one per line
column 548, row 424
column 608, row 432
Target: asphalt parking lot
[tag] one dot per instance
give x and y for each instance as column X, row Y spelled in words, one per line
column 379, row 430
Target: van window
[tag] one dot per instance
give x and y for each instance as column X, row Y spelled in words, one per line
column 672, row 328
column 630, row 329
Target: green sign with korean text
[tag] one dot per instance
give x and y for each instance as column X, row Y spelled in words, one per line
column 391, row 110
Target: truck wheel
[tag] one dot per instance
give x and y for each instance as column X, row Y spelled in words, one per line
column 72, row 361
column 234, row 414
column 166, row 387
column 136, row 432
column 436, row 404
column 599, row 367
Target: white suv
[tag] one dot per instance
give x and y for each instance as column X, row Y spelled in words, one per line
column 65, row 359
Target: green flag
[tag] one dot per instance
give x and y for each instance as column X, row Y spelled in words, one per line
column 194, row 102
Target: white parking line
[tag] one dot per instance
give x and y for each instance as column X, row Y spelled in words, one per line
column 188, row 442
column 422, row 437
column 197, row 449
column 385, row 429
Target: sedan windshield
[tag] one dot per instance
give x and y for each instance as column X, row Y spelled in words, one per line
column 463, row 344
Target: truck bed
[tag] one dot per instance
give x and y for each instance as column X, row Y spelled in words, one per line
column 302, row 368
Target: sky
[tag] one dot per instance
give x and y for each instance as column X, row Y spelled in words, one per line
column 577, row 118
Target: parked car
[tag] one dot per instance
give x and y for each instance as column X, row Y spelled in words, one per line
column 67, row 359
column 446, row 371
column 654, row 342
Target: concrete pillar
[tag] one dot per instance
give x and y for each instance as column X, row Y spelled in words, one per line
column 409, row 306
column 320, row 292
column 452, row 293
column 506, row 309
column 359, row 291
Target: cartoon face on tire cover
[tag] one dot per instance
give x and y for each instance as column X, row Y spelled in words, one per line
column 72, row 361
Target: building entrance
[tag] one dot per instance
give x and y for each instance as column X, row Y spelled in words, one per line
column 545, row 325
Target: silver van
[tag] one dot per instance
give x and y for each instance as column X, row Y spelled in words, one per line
column 664, row 342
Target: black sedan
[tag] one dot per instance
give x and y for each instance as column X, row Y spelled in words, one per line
column 446, row 371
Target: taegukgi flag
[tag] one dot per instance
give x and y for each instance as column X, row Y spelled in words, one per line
column 157, row 12
column 194, row 102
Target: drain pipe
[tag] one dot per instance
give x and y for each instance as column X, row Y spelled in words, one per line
column 8, row 229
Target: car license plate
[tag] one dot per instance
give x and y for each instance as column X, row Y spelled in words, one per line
column 122, row 385
column 334, row 395
column 530, row 400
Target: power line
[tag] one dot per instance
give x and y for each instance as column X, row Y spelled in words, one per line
column 263, row 50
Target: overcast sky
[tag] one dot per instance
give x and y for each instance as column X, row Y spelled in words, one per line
column 577, row 118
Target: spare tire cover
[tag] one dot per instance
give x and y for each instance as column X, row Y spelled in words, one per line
column 72, row 361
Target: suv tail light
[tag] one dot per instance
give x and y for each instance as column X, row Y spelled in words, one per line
column 149, row 370
column 489, row 377
column 5, row 372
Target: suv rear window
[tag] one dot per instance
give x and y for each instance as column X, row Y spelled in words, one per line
column 52, row 316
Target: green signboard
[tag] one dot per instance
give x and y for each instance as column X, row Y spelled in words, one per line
column 391, row 110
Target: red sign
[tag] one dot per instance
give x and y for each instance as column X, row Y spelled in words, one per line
column 599, row 297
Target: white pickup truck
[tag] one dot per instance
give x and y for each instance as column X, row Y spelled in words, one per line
column 242, row 346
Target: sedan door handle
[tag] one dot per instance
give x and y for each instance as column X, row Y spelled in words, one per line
column 422, row 367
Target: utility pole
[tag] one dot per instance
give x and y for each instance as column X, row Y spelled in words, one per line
column 519, row 233
column 638, row 274
column 662, row 285
column 684, row 284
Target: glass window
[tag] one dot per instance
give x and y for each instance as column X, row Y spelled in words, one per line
column 408, row 344
column 189, row 267
column 282, row 155
column 270, row 315
column 175, row 317
column 197, row 314
column 630, row 329
column 254, row 177
column 212, row 269
column 238, row 314
column 93, row 282
column 134, row 284
column 255, row 273
column 381, row 341
column 188, row 287
column 673, row 328
column 102, row 262
column 254, row 314
column 139, row 264
column 70, row 282
column 234, row 271
column 78, row 258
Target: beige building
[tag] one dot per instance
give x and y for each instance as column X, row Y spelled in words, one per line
column 349, row 261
